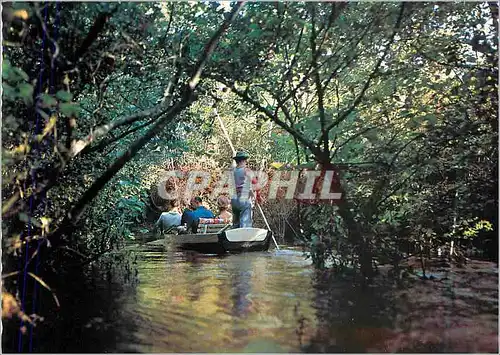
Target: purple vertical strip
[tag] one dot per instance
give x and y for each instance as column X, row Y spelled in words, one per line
column 25, row 273
column 36, row 287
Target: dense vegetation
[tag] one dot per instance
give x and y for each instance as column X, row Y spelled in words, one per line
column 401, row 99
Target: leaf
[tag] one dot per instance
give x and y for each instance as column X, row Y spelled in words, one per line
column 22, row 14
column 6, row 69
column 47, row 100
column 9, row 93
column 41, row 282
column 64, row 95
column 48, row 128
column 10, row 274
column 414, row 122
column 45, row 221
column 21, row 74
column 431, row 119
column 23, row 217
column 255, row 33
column 26, row 93
column 69, row 109
column 7, row 205
column 43, row 114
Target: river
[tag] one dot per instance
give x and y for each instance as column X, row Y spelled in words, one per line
column 171, row 301
column 214, row 304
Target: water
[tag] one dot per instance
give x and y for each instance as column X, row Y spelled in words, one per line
column 217, row 304
column 173, row 301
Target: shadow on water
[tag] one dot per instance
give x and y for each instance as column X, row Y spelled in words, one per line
column 83, row 323
column 185, row 302
column 351, row 317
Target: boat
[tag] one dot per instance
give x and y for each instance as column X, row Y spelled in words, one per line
column 220, row 238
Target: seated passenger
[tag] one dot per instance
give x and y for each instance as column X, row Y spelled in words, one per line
column 223, row 203
column 169, row 219
column 191, row 216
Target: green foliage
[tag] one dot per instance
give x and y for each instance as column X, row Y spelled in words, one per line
column 69, row 109
column 15, row 84
column 403, row 99
column 408, row 133
column 469, row 229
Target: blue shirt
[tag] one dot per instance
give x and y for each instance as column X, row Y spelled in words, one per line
column 239, row 178
column 188, row 217
column 203, row 212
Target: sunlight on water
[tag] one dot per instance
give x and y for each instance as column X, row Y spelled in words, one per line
column 246, row 302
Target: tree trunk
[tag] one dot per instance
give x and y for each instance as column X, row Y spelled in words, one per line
column 355, row 232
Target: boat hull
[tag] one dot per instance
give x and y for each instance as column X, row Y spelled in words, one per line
column 230, row 241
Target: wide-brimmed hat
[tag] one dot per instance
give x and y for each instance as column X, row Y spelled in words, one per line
column 241, row 155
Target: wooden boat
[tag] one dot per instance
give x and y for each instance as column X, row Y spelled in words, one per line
column 221, row 239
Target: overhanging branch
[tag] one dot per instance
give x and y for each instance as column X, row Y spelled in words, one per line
column 360, row 96
column 73, row 216
column 272, row 116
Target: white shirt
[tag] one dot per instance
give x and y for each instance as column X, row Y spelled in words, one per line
column 169, row 219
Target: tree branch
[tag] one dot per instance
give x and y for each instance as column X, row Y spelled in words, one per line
column 376, row 195
column 398, row 186
column 334, row 14
column 210, row 46
column 289, row 73
column 271, row 115
column 187, row 97
column 317, row 82
column 104, row 144
column 154, row 113
column 94, row 31
column 356, row 135
column 360, row 96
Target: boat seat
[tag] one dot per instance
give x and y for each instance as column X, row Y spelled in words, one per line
column 212, row 225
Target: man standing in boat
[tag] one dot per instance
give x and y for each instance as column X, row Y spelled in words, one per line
column 241, row 203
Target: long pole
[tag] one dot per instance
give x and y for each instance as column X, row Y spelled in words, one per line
column 234, row 153
column 225, row 131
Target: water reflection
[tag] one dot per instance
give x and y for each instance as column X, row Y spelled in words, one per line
column 84, row 323
column 351, row 317
column 184, row 302
column 241, row 284
column 207, row 304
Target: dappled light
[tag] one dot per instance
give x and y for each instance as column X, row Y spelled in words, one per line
column 215, row 176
